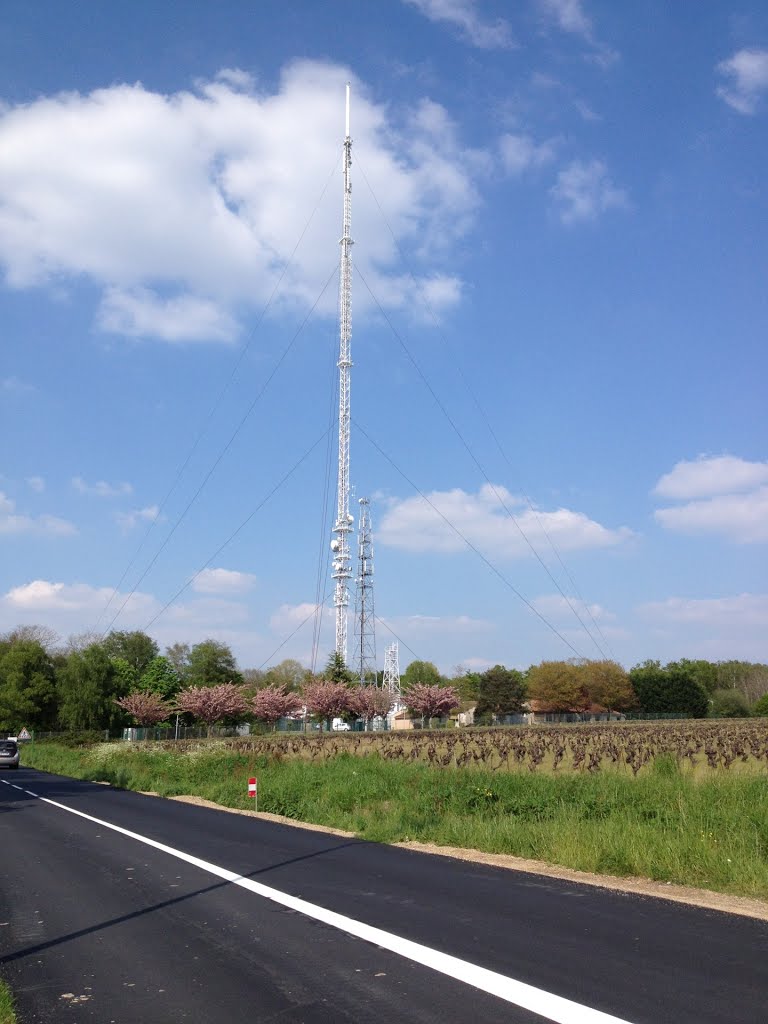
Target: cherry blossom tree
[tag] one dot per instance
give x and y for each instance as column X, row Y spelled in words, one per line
column 431, row 701
column 326, row 699
column 273, row 703
column 370, row 701
column 145, row 707
column 212, row 703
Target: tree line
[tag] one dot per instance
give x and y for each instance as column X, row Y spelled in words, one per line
column 106, row 683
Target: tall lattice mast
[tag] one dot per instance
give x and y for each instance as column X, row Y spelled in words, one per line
column 392, row 672
column 365, row 620
column 342, row 528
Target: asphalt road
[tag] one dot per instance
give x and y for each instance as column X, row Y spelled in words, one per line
column 97, row 925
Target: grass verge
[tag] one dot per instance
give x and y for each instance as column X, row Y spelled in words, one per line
column 664, row 824
column 7, row 1012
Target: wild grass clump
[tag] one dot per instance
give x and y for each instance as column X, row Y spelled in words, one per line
column 667, row 823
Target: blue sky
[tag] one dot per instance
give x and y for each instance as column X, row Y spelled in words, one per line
column 559, row 214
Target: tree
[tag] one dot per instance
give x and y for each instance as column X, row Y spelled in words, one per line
column 135, row 647
column 336, row 670
column 126, row 676
column 145, row 707
column 272, row 703
column 160, row 677
column 88, row 685
column 502, row 691
column 27, row 686
column 211, row 704
column 368, row 702
column 211, row 662
column 423, row 673
column 289, row 674
column 750, row 679
column 430, row 702
column 467, row 684
column 761, row 707
column 327, row 699
column 558, row 686
column 34, row 633
column 178, row 656
column 608, row 685
column 728, row 704
column 670, row 690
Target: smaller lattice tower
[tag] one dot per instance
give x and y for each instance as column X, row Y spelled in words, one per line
column 392, row 674
column 364, row 664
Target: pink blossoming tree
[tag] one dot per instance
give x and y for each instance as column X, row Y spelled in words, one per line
column 326, row 700
column 273, row 703
column 431, row 701
column 145, row 707
column 210, row 704
column 370, row 701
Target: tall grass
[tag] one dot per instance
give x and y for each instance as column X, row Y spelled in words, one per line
column 7, row 1013
column 665, row 824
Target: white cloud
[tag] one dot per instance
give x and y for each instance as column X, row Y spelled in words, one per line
column 223, row 581
column 436, row 624
column 13, row 523
column 130, row 520
column 45, row 596
column 182, row 208
column 413, row 525
column 486, row 35
column 585, row 190
column 520, row 153
column 711, row 474
column 746, row 80
column 14, row 385
column 740, row 517
column 290, row 616
column 729, row 496
column 36, row 483
column 569, row 16
column 101, row 489
column 140, row 314
column 558, row 608
column 711, row 613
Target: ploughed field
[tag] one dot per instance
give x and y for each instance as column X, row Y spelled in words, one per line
column 683, row 802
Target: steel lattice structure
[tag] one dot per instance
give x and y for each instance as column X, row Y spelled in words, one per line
column 392, row 674
column 364, row 664
column 340, row 545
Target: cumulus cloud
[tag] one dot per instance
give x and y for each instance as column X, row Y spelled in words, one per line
column 520, row 153
column 711, row 612
column 101, row 489
column 47, row 596
column 584, row 190
column 413, row 524
column 436, row 624
column 290, row 616
column 745, row 76
column 463, row 15
column 12, row 522
column 223, row 581
column 711, row 474
column 556, row 608
column 182, row 209
column 729, row 496
column 130, row 520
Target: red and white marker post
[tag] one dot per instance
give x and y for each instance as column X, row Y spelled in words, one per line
column 253, row 791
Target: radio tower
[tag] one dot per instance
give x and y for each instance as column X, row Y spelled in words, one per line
column 343, row 527
column 365, row 621
column 392, row 674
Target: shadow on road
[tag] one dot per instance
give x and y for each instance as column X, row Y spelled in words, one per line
column 52, row 943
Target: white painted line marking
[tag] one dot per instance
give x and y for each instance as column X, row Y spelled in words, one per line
column 552, row 1007
column 30, row 792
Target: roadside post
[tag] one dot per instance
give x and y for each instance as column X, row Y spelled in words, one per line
column 253, row 791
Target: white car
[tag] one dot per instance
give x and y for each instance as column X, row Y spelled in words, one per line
column 339, row 725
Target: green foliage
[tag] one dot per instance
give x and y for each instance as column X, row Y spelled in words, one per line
column 761, row 707
column 288, row 674
column 211, row 663
column 728, row 704
column 7, row 1012
column 674, row 689
column 422, row 672
column 27, row 686
column 88, row 685
column 558, row 686
column 135, row 647
column 502, row 691
column 161, row 677
column 336, row 670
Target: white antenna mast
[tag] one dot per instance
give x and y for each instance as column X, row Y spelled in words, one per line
column 364, row 663
column 340, row 545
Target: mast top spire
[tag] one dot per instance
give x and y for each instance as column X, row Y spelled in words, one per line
column 347, row 131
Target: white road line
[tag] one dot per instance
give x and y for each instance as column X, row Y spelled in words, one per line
column 552, row 1007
